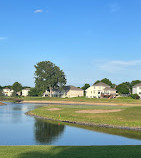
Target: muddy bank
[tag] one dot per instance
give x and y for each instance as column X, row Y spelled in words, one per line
column 2, row 104
column 88, row 124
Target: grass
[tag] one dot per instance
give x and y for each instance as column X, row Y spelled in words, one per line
column 120, row 100
column 83, row 99
column 129, row 116
column 70, row 152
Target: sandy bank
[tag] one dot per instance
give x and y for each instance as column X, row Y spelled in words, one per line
column 81, row 103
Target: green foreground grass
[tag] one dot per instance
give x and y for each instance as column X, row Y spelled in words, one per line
column 128, row 116
column 70, row 152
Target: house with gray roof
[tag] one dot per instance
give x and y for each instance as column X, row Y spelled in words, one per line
column 137, row 89
column 66, row 92
column 100, row 90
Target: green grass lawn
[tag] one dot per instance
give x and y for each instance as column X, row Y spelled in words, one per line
column 70, row 152
column 120, row 100
column 83, row 99
column 128, row 116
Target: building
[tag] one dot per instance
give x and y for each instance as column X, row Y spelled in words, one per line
column 7, row 92
column 137, row 89
column 25, row 92
column 66, row 92
column 100, row 90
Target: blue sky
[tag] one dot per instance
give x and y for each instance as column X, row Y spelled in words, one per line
column 88, row 39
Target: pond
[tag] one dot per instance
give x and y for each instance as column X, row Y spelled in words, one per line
column 17, row 128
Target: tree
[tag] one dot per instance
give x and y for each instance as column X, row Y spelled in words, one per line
column 46, row 132
column 34, row 92
column 133, row 83
column 106, row 81
column 1, row 94
column 48, row 76
column 1, row 87
column 97, row 81
column 135, row 96
column 123, row 88
column 17, row 87
column 85, row 86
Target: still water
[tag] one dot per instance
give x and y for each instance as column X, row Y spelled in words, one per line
column 16, row 128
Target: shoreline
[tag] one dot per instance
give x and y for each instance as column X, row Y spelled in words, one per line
column 1, row 104
column 86, row 124
column 81, row 103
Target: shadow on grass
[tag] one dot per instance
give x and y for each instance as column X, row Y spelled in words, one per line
column 84, row 152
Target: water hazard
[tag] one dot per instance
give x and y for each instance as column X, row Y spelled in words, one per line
column 17, row 128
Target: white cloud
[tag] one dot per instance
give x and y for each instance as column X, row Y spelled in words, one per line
column 3, row 38
column 38, row 11
column 118, row 66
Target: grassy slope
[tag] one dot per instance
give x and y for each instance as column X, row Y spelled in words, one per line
column 70, row 152
column 83, row 99
column 129, row 116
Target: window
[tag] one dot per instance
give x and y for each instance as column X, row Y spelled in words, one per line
column 94, row 91
column 98, row 92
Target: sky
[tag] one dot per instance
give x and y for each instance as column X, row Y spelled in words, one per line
column 88, row 39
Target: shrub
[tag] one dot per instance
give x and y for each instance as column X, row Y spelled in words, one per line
column 135, row 96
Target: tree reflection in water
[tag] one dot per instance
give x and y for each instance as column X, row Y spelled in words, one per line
column 46, row 132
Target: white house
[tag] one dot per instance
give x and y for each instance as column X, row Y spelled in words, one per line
column 7, row 92
column 100, row 90
column 137, row 89
column 66, row 92
column 25, row 92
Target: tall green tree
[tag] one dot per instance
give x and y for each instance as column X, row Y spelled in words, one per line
column 123, row 88
column 107, row 81
column 48, row 76
column 17, row 87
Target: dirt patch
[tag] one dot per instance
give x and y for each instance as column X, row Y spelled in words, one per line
column 54, row 109
column 97, row 111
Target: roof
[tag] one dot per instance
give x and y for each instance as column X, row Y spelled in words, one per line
column 101, row 84
column 26, row 89
column 72, row 88
column 137, row 85
column 6, row 88
column 109, row 89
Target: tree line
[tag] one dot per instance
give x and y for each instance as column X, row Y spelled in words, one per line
column 48, row 76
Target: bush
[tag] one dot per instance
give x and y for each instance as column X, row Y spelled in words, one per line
column 135, row 96
column 34, row 92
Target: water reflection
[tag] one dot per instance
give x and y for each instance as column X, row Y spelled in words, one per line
column 46, row 132
column 16, row 128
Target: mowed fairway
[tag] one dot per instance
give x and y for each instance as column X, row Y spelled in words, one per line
column 70, row 152
column 124, row 116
